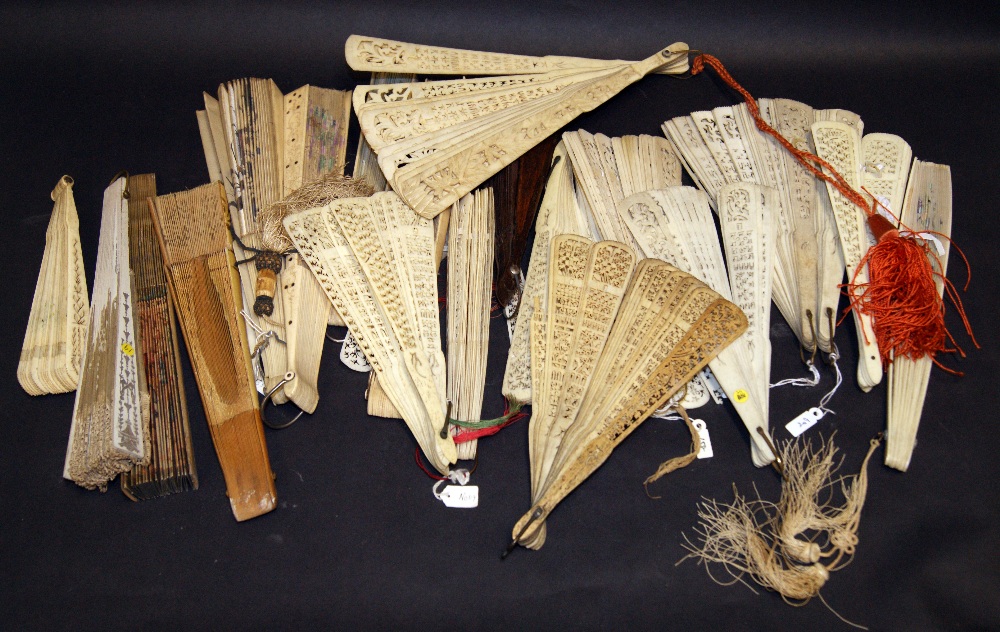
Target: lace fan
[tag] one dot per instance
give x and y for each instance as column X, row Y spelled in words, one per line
column 436, row 141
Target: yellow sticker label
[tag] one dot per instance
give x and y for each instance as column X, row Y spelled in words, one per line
column 740, row 396
column 128, row 349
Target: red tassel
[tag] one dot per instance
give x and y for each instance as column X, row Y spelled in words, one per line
column 901, row 295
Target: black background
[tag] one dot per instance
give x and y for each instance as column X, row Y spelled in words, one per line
column 358, row 541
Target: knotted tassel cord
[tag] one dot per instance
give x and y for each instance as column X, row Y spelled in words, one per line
column 901, row 296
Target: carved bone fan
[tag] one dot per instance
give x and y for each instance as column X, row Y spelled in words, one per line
column 57, row 325
column 668, row 326
column 107, row 435
column 435, row 149
column 373, row 54
column 393, row 313
column 928, row 207
column 676, row 225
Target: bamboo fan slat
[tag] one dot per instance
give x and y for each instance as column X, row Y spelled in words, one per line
column 927, row 207
column 665, row 326
column 107, row 434
column 171, row 465
column 192, row 229
column 57, row 325
column 676, row 225
column 437, row 141
column 470, row 272
column 375, row 260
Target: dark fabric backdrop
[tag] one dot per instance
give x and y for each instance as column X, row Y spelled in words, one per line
column 358, row 542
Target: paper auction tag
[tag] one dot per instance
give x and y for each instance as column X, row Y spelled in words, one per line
column 705, row 443
column 805, row 421
column 460, row 496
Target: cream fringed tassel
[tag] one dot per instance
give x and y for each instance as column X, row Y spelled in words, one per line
column 803, row 509
column 735, row 536
column 761, row 539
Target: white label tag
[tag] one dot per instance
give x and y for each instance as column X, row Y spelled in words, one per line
column 805, row 421
column 705, row 444
column 460, row 496
column 714, row 388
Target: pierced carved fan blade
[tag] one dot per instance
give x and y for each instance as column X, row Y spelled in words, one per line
column 387, row 294
column 374, row 54
column 668, row 326
column 436, row 148
column 840, row 145
column 676, row 225
column 928, row 207
column 558, row 214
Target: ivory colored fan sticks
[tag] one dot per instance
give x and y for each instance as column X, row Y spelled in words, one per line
column 668, row 326
column 57, row 325
column 437, row 141
column 192, row 228
column 928, row 207
column 107, row 435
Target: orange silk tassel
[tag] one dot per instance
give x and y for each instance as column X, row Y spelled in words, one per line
column 901, row 296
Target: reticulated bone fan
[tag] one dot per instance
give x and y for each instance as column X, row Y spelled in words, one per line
column 375, row 259
column 436, row 141
column 615, row 345
column 676, row 225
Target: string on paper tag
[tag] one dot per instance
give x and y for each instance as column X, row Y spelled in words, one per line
column 460, row 496
column 705, row 443
column 809, row 418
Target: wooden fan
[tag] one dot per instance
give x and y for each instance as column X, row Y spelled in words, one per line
column 192, row 230
column 640, row 336
column 57, row 325
column 437, row 141
column 107, row 434
column 676, row 225
column 171, row 466
column 375, row 259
